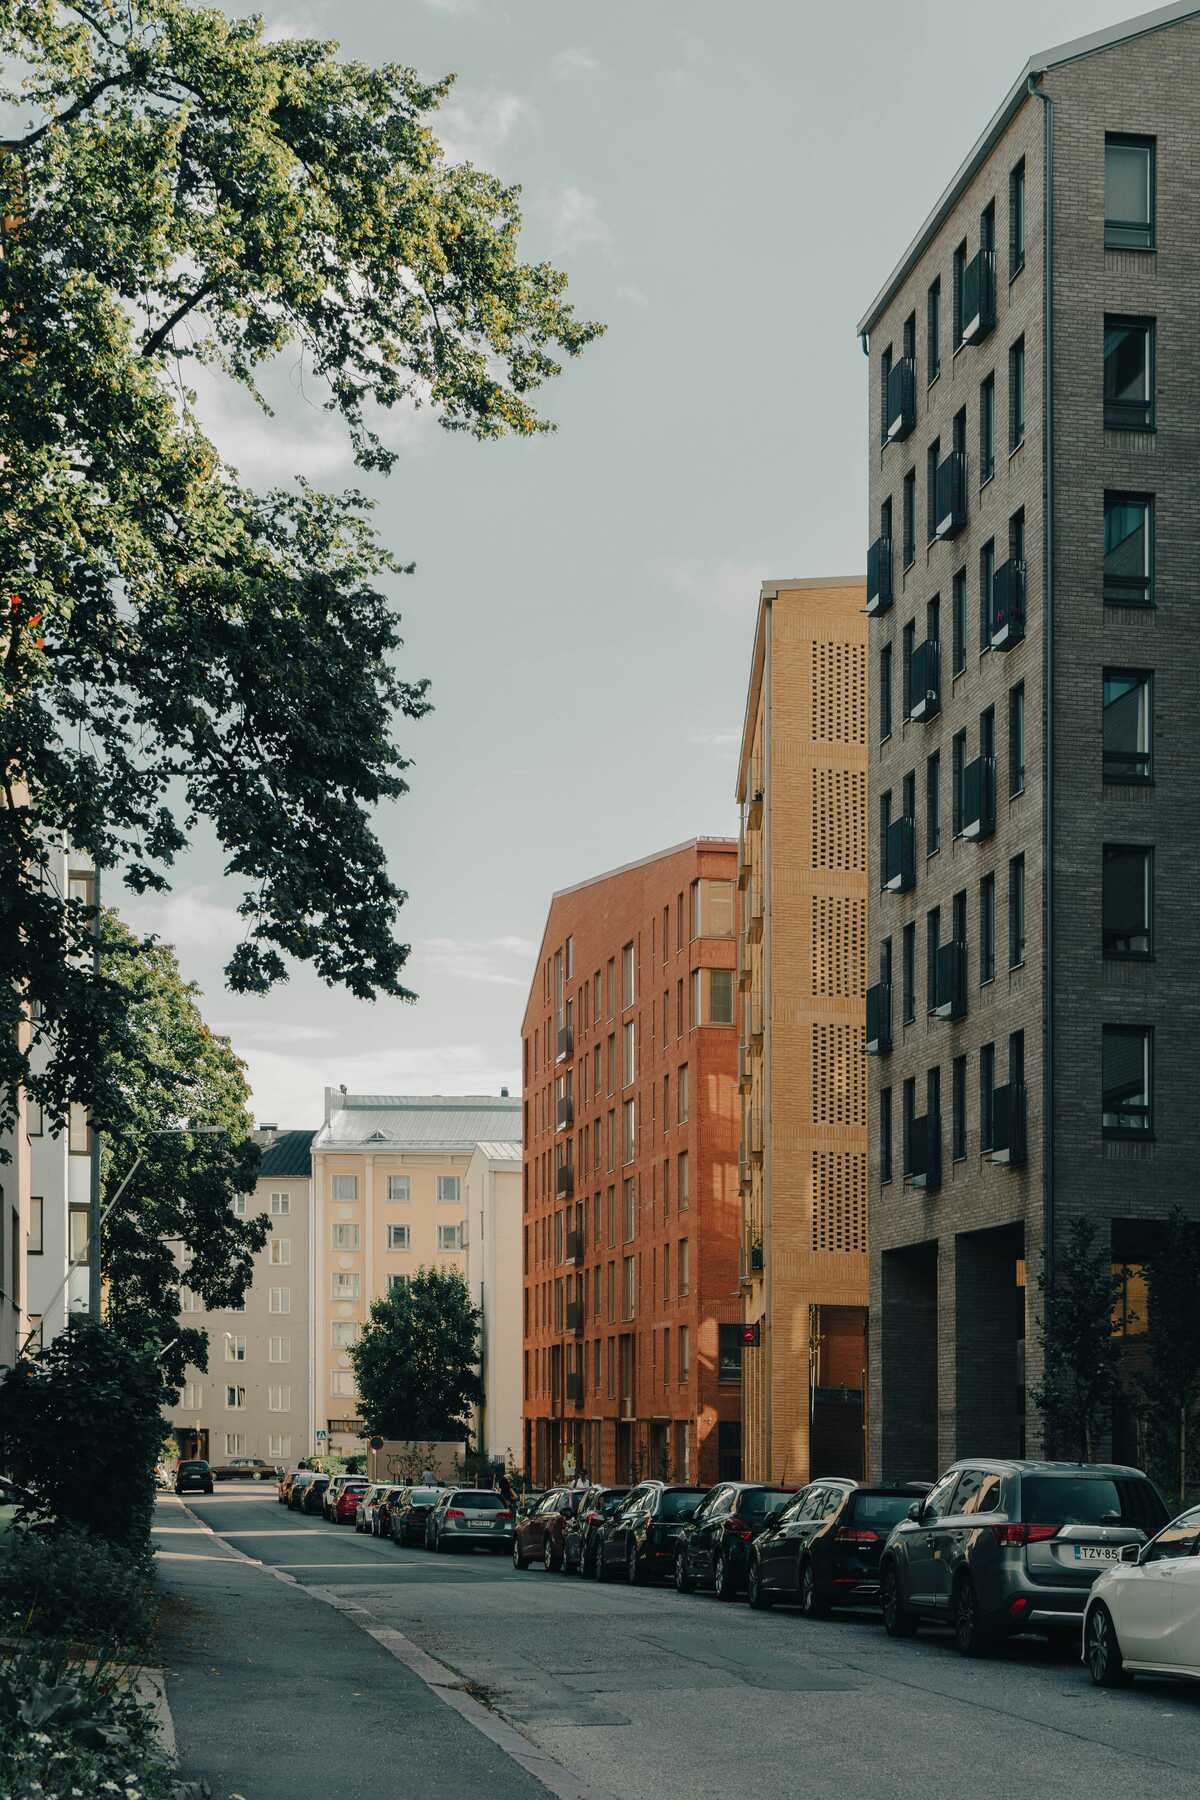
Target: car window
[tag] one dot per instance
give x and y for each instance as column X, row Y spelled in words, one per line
column 813, row 1503
column 678, row 1503
column 720, row 1502
column 1091, row 1500
column 879, row 1512
column 756, row 1503
column 793, row 1509
column 937, row 1504
column 966, row 1494
column 612, row 1503
column 1179, row 1539
column 549, row 1502
column 480, row 1500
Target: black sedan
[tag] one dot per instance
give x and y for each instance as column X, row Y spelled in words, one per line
column 409, row 1513
column 713, row 1548
column 823, row 1549
column 193, row 1477
column 583, row 1528
column 640, row 1537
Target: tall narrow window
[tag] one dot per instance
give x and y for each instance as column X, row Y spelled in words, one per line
column 1127, row 900
column 1128, row 193
column 987, row 1095
column 909, row 510
column 1016, row 912
column 933, row 331
column 960, row 264
column 933, row 938
column 960, row 621
column 1016, row 738
column 1129, row 549
column 1016, row 219
column 909, row 959
column 959, row 754
column 885, row 692
column 910, row 1114
column 1126, row 1078
column 885, row 825
column 987, row 569
column 885, row 1134
column 1128, row 743
column 933, row 804
column 1016, row 394
column 987, row 429
column 958, row 1107
column 932, row 458
column 1128, row 374
column 885, row 376
column 908, row 644
column 987, row 929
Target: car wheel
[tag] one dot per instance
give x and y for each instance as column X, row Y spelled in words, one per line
column 758, row 1595
column 725, row 1585
column 519, row 1560
column 633, row 1568
column 550, row 1560
column 598, row 1567
column 971, row 1635
column 898, row 1622
column 1106, row 1665
column 683, row 1581
column 811, row 1603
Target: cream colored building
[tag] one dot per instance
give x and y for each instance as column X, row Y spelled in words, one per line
column 495, row 1278
column 389, row 1183
column 256, row 1396
column 803, row 1162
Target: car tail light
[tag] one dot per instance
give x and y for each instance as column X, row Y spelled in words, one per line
column 739, row 1528
column 452, row 1512
column 1018, row 1607
column 504, row 1515
column 847, row 1535
column 593, row 1518
column 1019, row 1535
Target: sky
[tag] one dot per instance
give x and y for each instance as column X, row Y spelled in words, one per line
column 727, row 186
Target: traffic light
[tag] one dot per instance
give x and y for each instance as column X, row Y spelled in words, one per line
column 752, row 1336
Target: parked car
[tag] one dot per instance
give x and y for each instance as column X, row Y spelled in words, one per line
column 528, row 1502
column 539, row 1536
column 193, row 1477
column 1143, row 1613
column 245, row 1468
column 581, row 1531
column 344, row 1509
column 823, row 1547
column 312, row 1495
column 471, row 1517
column 1004, row 1547
column 381, row 1515
column 302, row 1480
column 410, row 1512
column 640, row 1536
column 370, row 1496
column 336, row 1484
column 286, row 1479
column 713, row 1546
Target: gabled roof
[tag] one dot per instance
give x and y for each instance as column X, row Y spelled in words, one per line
column 983, row 146
column 290, row 1154
column 449, row 1122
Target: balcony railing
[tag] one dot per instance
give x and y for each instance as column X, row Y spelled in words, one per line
column 564, row 1112
column 744, row 1064
column 879, row 1019
column 879, row 576
column 743, row 1170
column 756, row 1134
column 951, row 985
column 979, row 798
column 950, row 493
column 565, row 1046
column 900, row 856
column 1008, row 1124
column 575, row 1389
column 925, row 681
column 1008, row 604
column 756, row 1258
column 754, row 908
column 901, row 399
column 564, row 1180
column 575, row 1247
column 575, row 1316
column 926, row 1143
column 979, row 297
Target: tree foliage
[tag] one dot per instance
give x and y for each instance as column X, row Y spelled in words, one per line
column 417, row 1361
column 175, row 648
column 1080, row 1353
column 1168, row 1385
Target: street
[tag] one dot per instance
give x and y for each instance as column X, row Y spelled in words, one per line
column 631, row 1692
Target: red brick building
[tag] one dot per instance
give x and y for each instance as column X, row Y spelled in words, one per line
column 632, row 1362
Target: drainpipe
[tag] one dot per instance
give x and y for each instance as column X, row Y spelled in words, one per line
column 95, row 1196
column 1047, row 676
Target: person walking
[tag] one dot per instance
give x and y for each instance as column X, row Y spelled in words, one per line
column 581, row 1479
column 505, row 1489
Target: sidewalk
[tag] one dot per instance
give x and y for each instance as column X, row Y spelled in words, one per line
column 274, row 1694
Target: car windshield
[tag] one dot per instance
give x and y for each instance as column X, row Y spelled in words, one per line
column 1091, row 1500
column 422, row 1496
column 480, row 1502
column 758, row 1502
column 193, row 1465
column 679, row 1503
column 610, row 1502
column 880, row 1509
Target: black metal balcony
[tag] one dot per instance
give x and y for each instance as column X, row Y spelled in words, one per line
column 575, row 1389
column 1008, row 604
column 756, row 1258
column 564, row 1112
column 951, row 983
column 925, row 681
column 926, row 1145
column 950, row 493
column 879, row 1019
column 900, row 856
column 979, row 798
column 979, row 297
column 565, row 1045
column 879, row 576
column 575, row 1312
column 564, row 1180
column 901, row 400
column 1008, row 1124
column 575, row 1247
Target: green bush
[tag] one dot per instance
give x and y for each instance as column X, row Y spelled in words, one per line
column 66, row 1731
column 65, row 1584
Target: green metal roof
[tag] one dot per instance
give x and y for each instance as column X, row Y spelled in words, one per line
column 290, row 1154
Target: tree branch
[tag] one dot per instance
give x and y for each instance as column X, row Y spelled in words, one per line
column 158, row 338
column 86, row 99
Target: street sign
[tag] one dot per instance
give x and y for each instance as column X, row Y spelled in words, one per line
column 376, row 1443
column 752, row 1335
column 319, row 1435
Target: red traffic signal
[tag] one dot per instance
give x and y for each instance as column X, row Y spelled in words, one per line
column 752, row 1335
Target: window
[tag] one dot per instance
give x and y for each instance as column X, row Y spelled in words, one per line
column 235, row 1443
column 1128, row 193
column 343, row 1333
column 1016, row 394
column 933, row 938
column 909, row 517
column 192, row 1397
column 1126, row 1073
column 933, row 804
column 279, row 1349
column 79, row 1130
column 908, row 960
column 1016, row 220
column 960, row 264
column 713, row 905
column 1128, row 374
column 885, row 1134
column 987, row 570
column 239, row 1206
column 910, row 1114
column 345, row 1187
column 34, row 1117
column 987, row 929
column 628, row 1050
column 987, row 1095
column 397, row 1283
column 281, row 1251
column 280, row 1298
column 341, row 1383
column 79, row 1237
column 628, row 1210
column 34, row 1242
column 628, row 1131
column 1128, row 746
column 720, row 996
column 682, row 1190
column 448, row 1190
column 279, row 1443
column 682, row 1094
column 958, row 1108
column 1129, row 549
column 628, row 1286
column 448, row 1237
column 1127, row 907
column 685, row 1356
column 235, row 1397
column 399, row 1237
column 885, row 692
column 1016, row 738
column 279, row 1399
column 885, row 376
column 684, row 1268
column 932, row 458
column 628, row 994
column 987, row 430
column 908, row 644
column 933, row 331
column 959, row 608
column 399, row 1188
column 885, row 824
column 189, row 1302
column 281, row 1205
column 1016, row 912
column 235, row 1348
column 346, row 1286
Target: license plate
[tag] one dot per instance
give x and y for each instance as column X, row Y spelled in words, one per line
column 1101, row 1553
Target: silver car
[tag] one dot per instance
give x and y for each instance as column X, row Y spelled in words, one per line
column 469, row 1517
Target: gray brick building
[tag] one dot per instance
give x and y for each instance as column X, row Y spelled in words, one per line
column 1034, row 448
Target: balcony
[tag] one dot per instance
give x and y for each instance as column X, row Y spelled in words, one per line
column 754, row 909
column 925, row 681
column 979, row 297
column 575, row 1390
column 901, row 400
column 900, row 856
column 879, row 576
column 951, row 982
column 575, row 1317
column 754, row 810
column 564, row 1181
column 575, row 1247
column 743, row 860
column 565, row 1046
column 756, row 1257
column 756, row 1135
column 979, row 798
column 950, row 493
column 564, row 1113
column 879, row 1019
column 926, row 1144
column 756, row 1016
column 744, row 1065
column 1008, row 1124
column 743, row 1172
column 1008, row 604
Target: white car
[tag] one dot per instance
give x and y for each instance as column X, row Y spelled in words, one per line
column 1143, row 1614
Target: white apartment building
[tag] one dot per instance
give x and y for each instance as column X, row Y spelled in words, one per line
column 492, row 1241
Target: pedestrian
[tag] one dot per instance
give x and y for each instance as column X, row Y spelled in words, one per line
column 581, row 1479
column 428, row 1478
column 505, row 1489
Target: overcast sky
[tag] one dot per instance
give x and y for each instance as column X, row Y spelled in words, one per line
column 727, row 185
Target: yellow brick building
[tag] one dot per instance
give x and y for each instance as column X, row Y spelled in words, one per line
column 802, row 777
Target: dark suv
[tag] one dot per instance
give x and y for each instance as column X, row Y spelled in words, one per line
column 1002, row 1547
column 713, row 1548
column 193, row 1476
column 583, row 1531
column 640, row 1538
column 823, row 1548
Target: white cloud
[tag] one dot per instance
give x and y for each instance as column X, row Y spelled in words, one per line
column 633, row 296
column 498, row 962
column 266, row 449
column 727, row 586
column 573, row 61
column 283, row 31
column 475, row 128
column 289, row 1089
column 576, row 219
column 716, row 740
column 189, row 920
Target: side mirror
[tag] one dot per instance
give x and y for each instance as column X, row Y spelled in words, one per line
column 914, row 1512
column 772, row 1517
column 1130, row 1553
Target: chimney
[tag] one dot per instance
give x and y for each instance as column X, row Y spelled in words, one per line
column 265, row 1135
column 504, row 1093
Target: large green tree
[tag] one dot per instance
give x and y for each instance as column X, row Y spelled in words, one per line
column 175, row 648
column 417, row 1361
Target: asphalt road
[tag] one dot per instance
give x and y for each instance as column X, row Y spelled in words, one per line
column 648, row 1695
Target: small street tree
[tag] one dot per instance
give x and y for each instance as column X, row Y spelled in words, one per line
column 417, row 1361
column 1080, row 1353
column 1168, row 1385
